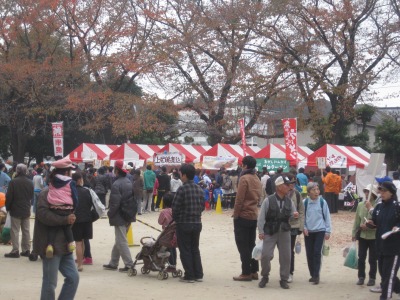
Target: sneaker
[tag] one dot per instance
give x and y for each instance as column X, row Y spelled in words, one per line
column 290, row 279
column 284, row 284
column 242, row 277
column 71, row 247
column 12, row 254
column 263, row 282
column 371, row 282
column 49, row 251
column 376, row 289
column 25, row 253
column 124, row 269
column 183, row 279
column 87, row 261
column 360, row 281
column 109, row 267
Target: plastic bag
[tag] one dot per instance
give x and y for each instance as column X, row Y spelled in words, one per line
column 297, row 247
column 325, row 249
column 346, row 251
column 5, row 232
column 351, row 259
column 257, row 250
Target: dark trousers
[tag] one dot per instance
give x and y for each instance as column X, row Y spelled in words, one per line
column 87, row 252
column 102, row 198
column 152, row 204
column 172, row 256
column 292, row 244
column 365, row 246
column 245, row 237
column 390, row 281
column 188, row 236
column 314, row 242
column 160, row 195
column 331, row 201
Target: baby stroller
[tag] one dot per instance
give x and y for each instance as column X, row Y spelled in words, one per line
column 154, row 254
column 351, row 200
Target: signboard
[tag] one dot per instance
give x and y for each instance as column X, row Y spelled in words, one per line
column 272, row 164
column 216, row 162
column 337, row 160
column 321, row 162
column 170, row 159
column 58, row 138
column 290, row 134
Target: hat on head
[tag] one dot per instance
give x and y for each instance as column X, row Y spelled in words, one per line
column 389, row 186
column 383, row 179
column 63, row 163
column 283, row 180
column 271, row 172
column 119, row 164
column 129, row 167
column 371, row 188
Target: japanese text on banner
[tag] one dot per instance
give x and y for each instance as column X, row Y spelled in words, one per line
column 58, row 138
column 290, row 134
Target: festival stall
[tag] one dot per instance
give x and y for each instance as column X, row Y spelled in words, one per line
column 91, row 152
column 138, row 154
column 176, row 154
column 273, row 156
column 225, row 155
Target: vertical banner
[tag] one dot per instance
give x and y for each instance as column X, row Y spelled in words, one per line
column 290, row 134
column 242, row 133
column 58, row 138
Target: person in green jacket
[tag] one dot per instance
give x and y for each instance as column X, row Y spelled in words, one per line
column 365, row 237
column 149, row 178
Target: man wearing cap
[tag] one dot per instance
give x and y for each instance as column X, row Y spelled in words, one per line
column 365, row 236
column 18, row 202
column 274, row 230
column 386, row 217
column 122, row 211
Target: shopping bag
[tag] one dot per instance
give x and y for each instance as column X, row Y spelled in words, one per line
column 351, row 259
column 325, row 249
column 5, row 233
column 99, row 207
column 257, row 250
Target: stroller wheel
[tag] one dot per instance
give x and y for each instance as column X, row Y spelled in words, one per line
column 165, row 275
column 175, row 274
column 160, row 275
column 179, row 273
column 132, row 272
column 144, row 270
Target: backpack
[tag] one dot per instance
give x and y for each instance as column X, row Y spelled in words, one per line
column 321, row 202
column 227, row 184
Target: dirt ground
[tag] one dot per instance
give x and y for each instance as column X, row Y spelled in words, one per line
column 21, row 279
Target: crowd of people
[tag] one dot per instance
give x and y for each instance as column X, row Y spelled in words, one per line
column 278, row 206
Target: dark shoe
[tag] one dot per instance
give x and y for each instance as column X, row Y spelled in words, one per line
column 33, row 257
column 25, row 253
column 371, row 282
column 254, row 276
column 242, row 277
column 312, row 279
column 12, row 255
column 284, row 284
column 361, row 281
column 109, row 267
column 263, row 282
column 316, row 280
column 124, row 269
column 183, row 279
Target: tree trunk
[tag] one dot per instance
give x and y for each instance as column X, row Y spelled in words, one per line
column 18, row 144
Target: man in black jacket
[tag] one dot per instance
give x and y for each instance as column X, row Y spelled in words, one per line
column 164, row 185
column 18, row 203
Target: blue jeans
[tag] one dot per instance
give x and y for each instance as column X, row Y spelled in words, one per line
column 66, row 265
column 188, row 236
column 35, row 200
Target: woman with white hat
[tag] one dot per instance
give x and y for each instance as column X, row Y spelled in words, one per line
column 365, row 236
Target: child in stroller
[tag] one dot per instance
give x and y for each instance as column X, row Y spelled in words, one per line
column 154, row 254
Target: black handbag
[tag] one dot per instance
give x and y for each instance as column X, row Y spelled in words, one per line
column 95, row 216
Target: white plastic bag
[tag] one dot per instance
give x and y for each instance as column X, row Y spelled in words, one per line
column 7, row 224
column 297, row 247
column 257, row 250
column 100, row 209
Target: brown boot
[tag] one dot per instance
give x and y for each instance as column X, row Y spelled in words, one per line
column 254, row 276
column 242, row 277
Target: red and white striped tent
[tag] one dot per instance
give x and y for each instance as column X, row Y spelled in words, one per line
column 138, row 154
column 89, row 152
column 339, row 157
column 227, row 150
column 279, row 151
column 190, row 153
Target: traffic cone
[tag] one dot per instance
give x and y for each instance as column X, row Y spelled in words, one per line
column 129, row 237
column 218, row 208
